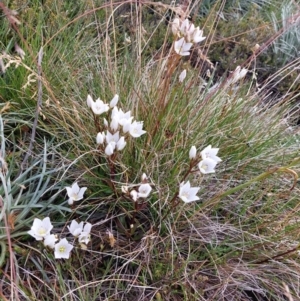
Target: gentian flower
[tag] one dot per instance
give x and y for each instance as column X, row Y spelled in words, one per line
column 144, row 178
column 50, row 240
column 75, row 228
column 144, row 190
column 114, row 124
column 188, row 193
column 207, row 166
column 62, row 249
column 100, row 138
column 85, row 235
column 40, row 228
column 75, row 193
column 99, row 107
column 121, row 143
column 136, row 129
column 211, row 153
column 193, row 152
column 198, row 35
column 176, row 26
column 182, row 48
column 112, row 137
column 110, row 147
column 238, row 74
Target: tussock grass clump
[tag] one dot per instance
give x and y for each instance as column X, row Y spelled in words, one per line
column 239, row 241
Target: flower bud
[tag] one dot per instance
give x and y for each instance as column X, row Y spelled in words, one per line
column 193, row 152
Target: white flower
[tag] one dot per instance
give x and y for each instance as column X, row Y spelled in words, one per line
column 114, row 124
column 121, row 143
column 238, row 74
column 50, row 240
column 126, row 123
column 134, row 195
column 211, row 153
column 193, row 152
column 188, row 193
column 182, row 48
column 185, row 25
column 75, row 228
column 100, row 138
column 62, row 249
column 89, row 101
column 175, row 26
column 189, row 33
column 75, row 193
column 144, row 178
column 85, row 235
column 84, row 238
column 182, row 76
column 112, row 137
column 40, row 228
column 99, row 107
column 136, row 129
column 119, row 115
column 114, row 101
column 198, row 35
column 109, row 150
column 187, row 30
column 144, row 191
column 87, row 228
column 207, row 166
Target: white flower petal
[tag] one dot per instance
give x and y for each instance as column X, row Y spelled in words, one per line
column 121, row 143
column 50, row 241
column 89, row 101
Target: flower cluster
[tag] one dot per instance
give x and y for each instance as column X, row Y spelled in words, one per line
column 40, row 230
column 209, row 159
column 111, row 138
column 206, row 165
column 81, row 232
column 143, row 190
column 187, row 33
